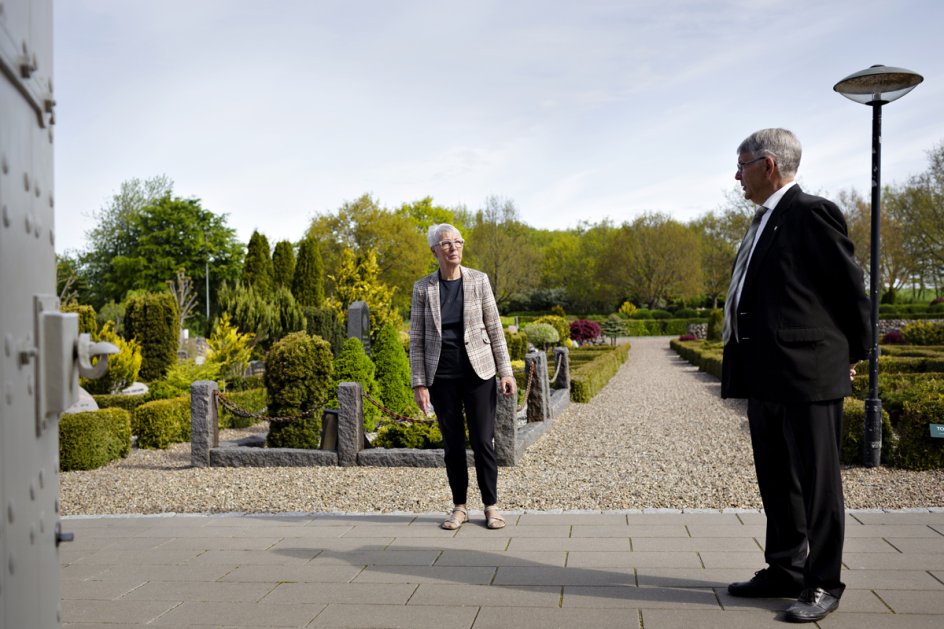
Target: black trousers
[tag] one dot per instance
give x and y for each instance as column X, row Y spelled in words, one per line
column 478, row 399
column 796, row 455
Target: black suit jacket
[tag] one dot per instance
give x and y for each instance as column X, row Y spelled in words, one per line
column 803, row 316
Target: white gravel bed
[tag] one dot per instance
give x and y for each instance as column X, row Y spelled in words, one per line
column 657, row 437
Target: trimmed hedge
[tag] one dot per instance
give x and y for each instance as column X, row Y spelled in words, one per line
column 91, row 439
column 127, row 402
column 659, row 327
column 592, row 368
column 517, row 343
column 853, row 433
column 917, row 450
column 162, row 422
column 420, row 435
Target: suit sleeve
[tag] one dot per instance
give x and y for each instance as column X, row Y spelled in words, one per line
column 843, row 279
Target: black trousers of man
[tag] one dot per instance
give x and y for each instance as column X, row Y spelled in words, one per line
column 479, row 400
column 796, row 456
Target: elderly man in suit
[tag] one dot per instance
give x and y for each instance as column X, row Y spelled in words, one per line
column 456, row 348
column 796, row 318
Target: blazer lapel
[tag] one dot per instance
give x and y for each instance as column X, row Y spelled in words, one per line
column 432, row 301
column 768, row 236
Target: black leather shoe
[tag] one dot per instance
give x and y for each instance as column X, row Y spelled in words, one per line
column 813, row 604
column 763, row 585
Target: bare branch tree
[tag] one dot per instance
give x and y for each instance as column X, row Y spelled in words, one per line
column 182, row 288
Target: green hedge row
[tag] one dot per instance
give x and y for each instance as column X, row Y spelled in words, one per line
column 91, row 439
column 592, row 367
column 912, row 395
column 117, row 400
column 659, row 327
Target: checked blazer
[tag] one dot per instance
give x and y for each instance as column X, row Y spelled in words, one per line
column 482, row 329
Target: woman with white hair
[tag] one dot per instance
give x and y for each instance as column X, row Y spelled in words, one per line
column 456, row 349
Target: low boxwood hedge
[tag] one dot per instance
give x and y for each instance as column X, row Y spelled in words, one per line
column 117, row 400
column 853, row 433
column 587, row 377
column 91, row 439
column 162, row 422
column 422, row 435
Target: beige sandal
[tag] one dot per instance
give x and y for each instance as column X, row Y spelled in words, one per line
column 493, row 519
column 456, row 519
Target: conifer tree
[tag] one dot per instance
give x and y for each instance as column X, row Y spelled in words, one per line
column 283, row 264
column 354, row 365
column 393, row 371
column 257, row 270
column 308, row 279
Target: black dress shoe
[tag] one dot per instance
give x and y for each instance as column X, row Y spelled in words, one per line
column 763, row 585
column 813, row 604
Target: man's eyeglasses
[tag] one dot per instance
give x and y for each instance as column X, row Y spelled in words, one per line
column 741, row 165
column 451, row 244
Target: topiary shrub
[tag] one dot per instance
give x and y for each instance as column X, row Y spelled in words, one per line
column 627, row 309
column 541, row 334
column 422, row 435
column 162, row 422
column 613, row 327
column 585, row 331
column 517, row 343
column 91, row 439
column 298, row 380
column 715, row 324
column 354, row 365
column 853, row 433
column 559, row 323
column 393, row 371
column 152, row 321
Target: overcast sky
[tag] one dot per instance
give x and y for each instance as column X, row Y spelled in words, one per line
column 275, row 112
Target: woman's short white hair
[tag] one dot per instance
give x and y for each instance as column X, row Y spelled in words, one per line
column 434, row 235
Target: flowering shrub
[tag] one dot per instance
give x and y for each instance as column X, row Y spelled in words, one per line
column 583, row 330
column 893, row 337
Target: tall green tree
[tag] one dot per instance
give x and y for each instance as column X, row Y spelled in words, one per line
column 308, row 280
column 399, row 245
column 283, row 264
column 658, row 259
column 921, row 206
column 145, row 235
column 576, row 260
column 257, row 270
column 498, row 243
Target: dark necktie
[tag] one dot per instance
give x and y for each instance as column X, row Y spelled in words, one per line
column 740, row 266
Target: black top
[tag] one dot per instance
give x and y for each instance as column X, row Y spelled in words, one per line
column 453, row 362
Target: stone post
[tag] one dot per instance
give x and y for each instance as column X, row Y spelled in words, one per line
column 539, row 398
column 204, row 422
column 505, row 429
column 350, row 423
column 562, row 358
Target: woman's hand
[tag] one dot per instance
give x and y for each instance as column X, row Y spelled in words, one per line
column 421, row 395
column 508, row 385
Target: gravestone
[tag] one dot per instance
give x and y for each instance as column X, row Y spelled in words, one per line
column 358, row 323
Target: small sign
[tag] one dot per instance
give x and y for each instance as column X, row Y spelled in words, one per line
column 937, row 431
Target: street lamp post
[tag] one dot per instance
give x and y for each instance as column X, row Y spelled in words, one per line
column 876, row 86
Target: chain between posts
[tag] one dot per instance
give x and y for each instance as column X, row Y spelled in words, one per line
column 395, row 416
column 527, row 389
column 232, row 407
column 560, row 361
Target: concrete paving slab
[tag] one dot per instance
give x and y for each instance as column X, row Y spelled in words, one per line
column 400, row 570
column 343, row 616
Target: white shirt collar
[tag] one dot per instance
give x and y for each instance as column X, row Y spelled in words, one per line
column 774, row 199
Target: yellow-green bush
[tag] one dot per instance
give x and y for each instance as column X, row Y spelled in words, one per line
column 117, row 400
column 162, row 422
column 91, row 439
column 590, row 376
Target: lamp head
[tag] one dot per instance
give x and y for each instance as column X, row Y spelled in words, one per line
column 878, row 84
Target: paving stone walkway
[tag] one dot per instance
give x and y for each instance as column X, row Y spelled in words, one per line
column 641, row 569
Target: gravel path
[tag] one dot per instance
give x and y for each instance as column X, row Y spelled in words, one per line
column 657, row 436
